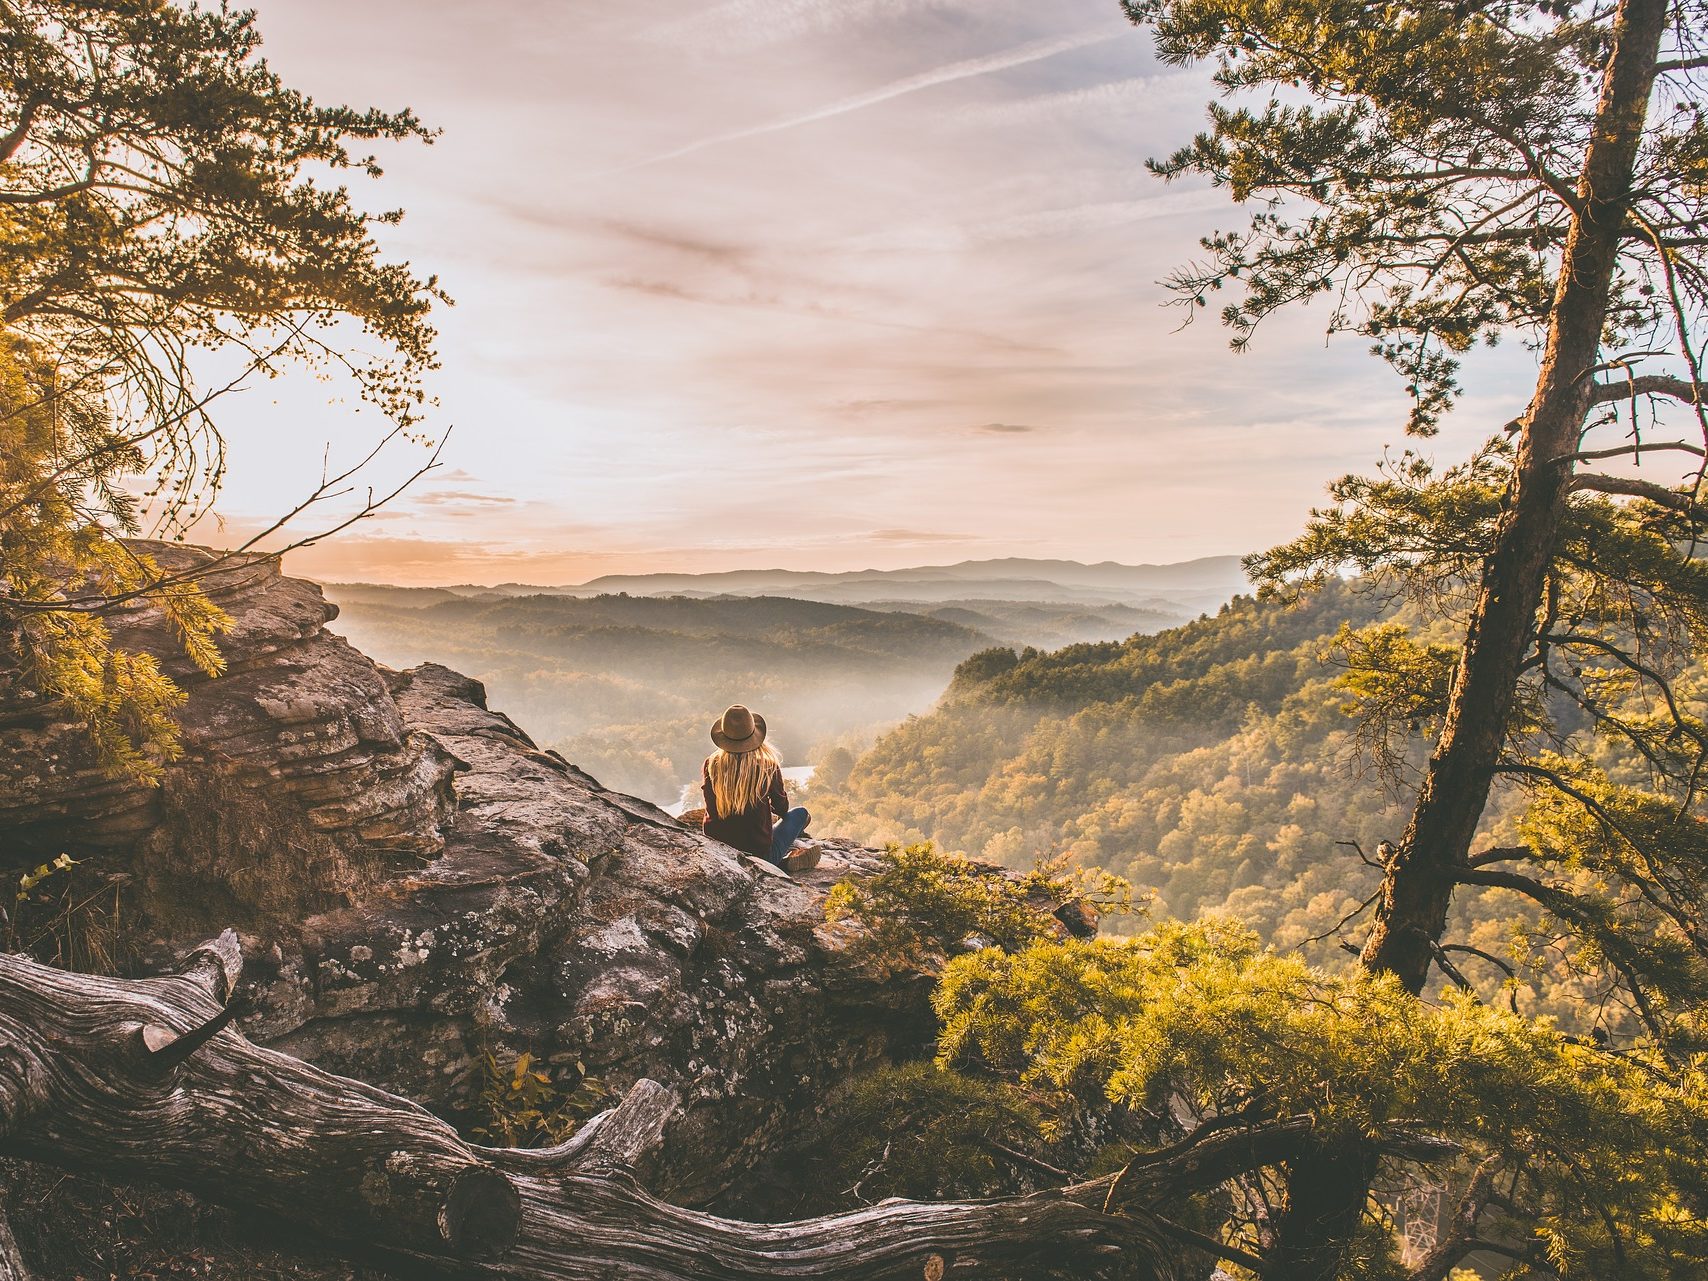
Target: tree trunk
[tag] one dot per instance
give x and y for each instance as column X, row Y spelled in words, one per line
column 1327, row 1189
column 143, row 1078
column 1331, row 1191
column 1412, row 911
column 11, row 1261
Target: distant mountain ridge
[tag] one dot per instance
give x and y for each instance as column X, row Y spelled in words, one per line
column 624, row 672
column 629, row 683
column 1219, row 573
column 1180, row 589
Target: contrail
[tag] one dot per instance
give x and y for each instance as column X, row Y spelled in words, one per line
column 1033, row 52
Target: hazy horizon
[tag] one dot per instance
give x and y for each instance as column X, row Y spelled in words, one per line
column 833, row 572
column 760, row 283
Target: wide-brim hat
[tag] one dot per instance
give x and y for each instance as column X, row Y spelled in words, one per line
column 738, row 730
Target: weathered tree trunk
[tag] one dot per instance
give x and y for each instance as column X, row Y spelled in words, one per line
column 1327, row 1193
column 144, row 1079
column 11, row 1261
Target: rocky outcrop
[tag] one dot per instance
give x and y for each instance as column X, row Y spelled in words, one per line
column 417, row 884
column 300, row 720
column 598, row 934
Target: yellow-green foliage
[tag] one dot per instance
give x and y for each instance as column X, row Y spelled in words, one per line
column 61, row 551
column 41, row 872
column 1209, row 763
column 1199, row 1016
column 924, row 904
column 921, row 1132
column 525, row 1107
column 1222, row 769
column 208, row 212
column 1396, row 687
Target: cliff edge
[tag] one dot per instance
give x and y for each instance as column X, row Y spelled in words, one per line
column 417, row 885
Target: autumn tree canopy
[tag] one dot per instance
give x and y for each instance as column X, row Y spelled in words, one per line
column 163, row 193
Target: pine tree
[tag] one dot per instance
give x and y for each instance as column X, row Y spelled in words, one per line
column 158, row 198
column 1440, row 175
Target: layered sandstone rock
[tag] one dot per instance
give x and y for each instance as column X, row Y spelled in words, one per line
column 417, row 884
column 300, row 719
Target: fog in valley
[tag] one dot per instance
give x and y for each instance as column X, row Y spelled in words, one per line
column 623, row 675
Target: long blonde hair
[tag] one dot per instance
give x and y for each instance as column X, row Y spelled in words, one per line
column 740, row 779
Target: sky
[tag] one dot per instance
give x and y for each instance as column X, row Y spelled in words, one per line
column 814, row 284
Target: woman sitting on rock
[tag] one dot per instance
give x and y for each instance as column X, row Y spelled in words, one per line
column 742, row 783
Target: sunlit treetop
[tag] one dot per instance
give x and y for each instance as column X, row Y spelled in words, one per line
column 162, row 190
column 1417, row 166
column 163, row 194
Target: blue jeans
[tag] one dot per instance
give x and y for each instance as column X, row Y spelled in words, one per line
column 788, row 828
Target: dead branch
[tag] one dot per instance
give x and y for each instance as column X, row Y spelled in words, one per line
column 143, row 1079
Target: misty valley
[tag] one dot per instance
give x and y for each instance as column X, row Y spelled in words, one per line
column 1220, row 765
column 622, row 675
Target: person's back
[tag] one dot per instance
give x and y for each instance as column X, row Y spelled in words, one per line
column 742, row 786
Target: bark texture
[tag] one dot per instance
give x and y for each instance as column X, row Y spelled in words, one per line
column 11, row 1260
column 89, row 1079
column 1327, row 1189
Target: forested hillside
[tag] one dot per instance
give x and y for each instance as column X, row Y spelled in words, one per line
column 625, row 686
column 1214, row 763
column 1042, row 623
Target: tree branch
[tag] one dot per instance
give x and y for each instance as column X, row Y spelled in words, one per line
column 1198, row 1241
column 1638, row 449
column 1505, row 967
column 1689, row 392
column 1571, row 639
column 1452, row 971
column 1500, row 854
column 247, row 1125
column 1557, row 901
column 26, row 117
column 1463, row 1239
column 1674, row 499
column 1679, row 916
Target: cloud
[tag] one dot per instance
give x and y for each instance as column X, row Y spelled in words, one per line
column 1034, row 224
column 458, row 497
column 864, row 407
column 1114, row 98
column 743, row 25
column 675, row 241
column 918, row 536
column 1033, row 51
column 829, row 309
column 753, row 300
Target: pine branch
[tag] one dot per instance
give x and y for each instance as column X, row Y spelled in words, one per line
column 1691, row 393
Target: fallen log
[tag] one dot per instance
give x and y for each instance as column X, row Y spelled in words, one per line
column 146, row 1079
column 11, row 1259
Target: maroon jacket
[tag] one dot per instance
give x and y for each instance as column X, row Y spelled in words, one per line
column 750, row 830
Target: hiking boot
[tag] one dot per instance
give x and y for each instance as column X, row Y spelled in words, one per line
column 803, row 858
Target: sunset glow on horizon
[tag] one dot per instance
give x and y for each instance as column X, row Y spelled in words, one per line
column 780, row 283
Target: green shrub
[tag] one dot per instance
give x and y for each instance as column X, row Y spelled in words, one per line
column 525, row 1107
column 924, row 905
column 921, row 1132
